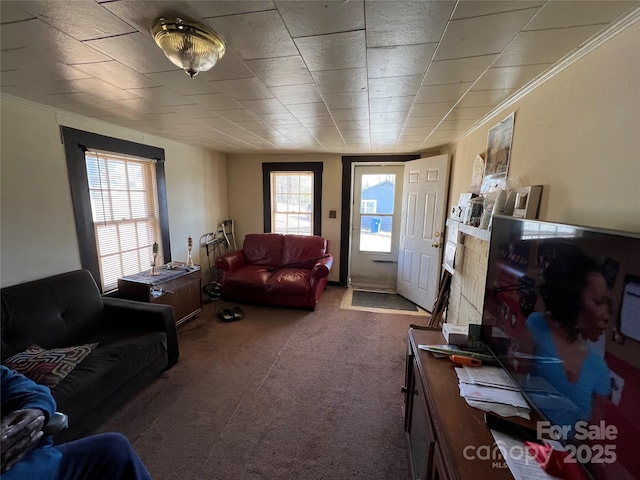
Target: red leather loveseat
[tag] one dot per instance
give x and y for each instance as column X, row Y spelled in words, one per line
column 277, row 270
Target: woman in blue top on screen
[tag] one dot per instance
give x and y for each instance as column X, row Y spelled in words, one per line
column 578, row 308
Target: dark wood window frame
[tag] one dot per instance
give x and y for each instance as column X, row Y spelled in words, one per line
column 315, row 167
column 76, row 143
column 347, row 180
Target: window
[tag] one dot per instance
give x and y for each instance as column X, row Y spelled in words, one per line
column 126, row 221
column 120, row 204
column 292, row 194
column 292, row 202
column 368, row 206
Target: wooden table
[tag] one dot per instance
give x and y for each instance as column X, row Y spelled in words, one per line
column 181, row 288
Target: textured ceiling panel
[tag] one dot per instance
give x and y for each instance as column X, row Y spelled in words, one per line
column 349, row 77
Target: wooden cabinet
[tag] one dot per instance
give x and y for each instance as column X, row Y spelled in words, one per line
column 182, row 289
column 445, row 436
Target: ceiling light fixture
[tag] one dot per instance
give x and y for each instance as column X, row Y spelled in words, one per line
column 189, row 45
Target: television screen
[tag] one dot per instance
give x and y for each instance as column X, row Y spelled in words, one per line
column 562, row 314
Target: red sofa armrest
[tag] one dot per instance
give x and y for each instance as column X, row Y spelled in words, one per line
column 231, row 262
column 321, row 269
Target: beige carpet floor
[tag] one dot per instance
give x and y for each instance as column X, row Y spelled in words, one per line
column 280, row 395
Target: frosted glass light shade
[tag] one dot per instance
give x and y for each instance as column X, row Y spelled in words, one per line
column 189, row 45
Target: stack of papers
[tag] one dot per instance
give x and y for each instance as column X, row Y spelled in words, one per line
column 491, row 389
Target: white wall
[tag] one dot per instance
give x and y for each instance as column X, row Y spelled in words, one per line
column 578, row 135
column 37, row 226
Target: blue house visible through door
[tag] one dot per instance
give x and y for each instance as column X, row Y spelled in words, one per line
column 379, row 199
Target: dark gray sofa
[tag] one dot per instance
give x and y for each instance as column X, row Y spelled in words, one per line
column 136, row 342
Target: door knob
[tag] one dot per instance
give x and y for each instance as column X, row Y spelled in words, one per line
column 435, row 245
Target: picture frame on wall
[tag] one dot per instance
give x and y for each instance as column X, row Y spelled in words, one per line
column 499, row 141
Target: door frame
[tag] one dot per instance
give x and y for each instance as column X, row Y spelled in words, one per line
column 347, row 184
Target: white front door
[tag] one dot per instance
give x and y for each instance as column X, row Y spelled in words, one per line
column 425, row 186
column 375, row 226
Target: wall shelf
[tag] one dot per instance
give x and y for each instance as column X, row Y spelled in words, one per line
column 480, row 233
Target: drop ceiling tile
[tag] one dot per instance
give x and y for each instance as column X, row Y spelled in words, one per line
column 429, row 109
column 304, row 19
column 11, row 12
column 350, row 125
column 333, row 52
column 484, row 35
column 178, row 81
column 243, row 115
column 280, row 71
column 389, row 117
column 544, row 46
column 229, row 67
column 213, row 101
column 328, row 131
column 101, row 89
column 117, row 74
column 416, row 132
column 243, row 89
column 399, row 60
column 356, row 135
column 422, row 122
column 346, row 100
column 457, row 70
column 478, row 8
column 509, row 77
column 394, row 86
column 265, row 106
column 225, row 7
column 81, row 20
column 297, row 94
column 562, row 14
column 386, row 128
column 40, row 87
column 411, row 138
column 85, row 104
column 390, row 104
column 284, row 118
column 301, row 138
column 255, row 35
column 135, row 51
column 405, row 23
column 193, row 111
column 218, row 122
column 164, row 96
column 350, row 114
column 257, row 126
column 304, row 110
column 292, row 128
column 467, row 113
column 341, row 81
column 144, row 106
column 442, row 93
column 311, row 122
column 484, row 98
column 47, row 42
column 141, row 15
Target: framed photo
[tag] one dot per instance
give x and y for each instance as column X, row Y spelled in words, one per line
column 498, row 153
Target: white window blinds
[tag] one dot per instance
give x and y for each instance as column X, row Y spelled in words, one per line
column 292, row 203
column 124, row 203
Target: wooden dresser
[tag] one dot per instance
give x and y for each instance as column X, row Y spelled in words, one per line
column 442, row 431
column 180, row 288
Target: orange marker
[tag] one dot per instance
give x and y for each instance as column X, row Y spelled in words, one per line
column 468, row 361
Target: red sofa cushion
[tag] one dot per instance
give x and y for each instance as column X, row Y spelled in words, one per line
column 249, row 278
column 302, row 248
column 289, row 281
column 263, row 249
